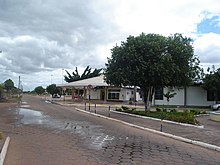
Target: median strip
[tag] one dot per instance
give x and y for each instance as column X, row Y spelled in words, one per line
column 179, row 138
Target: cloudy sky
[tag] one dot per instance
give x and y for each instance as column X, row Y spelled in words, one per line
column 39, row 39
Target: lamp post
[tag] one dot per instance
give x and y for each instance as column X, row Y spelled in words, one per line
column 89, row 88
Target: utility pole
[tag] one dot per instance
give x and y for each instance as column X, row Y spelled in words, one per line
column 19, row 89
column 19, row 82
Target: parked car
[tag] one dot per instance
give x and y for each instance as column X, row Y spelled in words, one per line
column 216, row 107
column 56, row 95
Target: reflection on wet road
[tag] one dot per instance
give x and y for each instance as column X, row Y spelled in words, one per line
column 60, row 132
column 29, row 116
column 93, row 135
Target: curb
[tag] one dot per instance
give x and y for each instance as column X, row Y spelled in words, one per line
column 4, row 150
column 179, row 138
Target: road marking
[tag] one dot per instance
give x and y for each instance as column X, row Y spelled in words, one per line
column 4, row 150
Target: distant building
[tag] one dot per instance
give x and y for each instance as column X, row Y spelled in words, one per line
column 97, row 89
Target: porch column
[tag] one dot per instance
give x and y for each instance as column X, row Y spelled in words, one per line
column 84, row 92
column 78, row 93
column 73, row 93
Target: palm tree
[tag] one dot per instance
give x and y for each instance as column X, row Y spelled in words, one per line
column 86, row 74
column 169, row 95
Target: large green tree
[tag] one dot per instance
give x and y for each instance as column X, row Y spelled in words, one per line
column 151, row 61
column 39, row 90
column 52, row 89
column 211, row 82
column 8, row 84
column 1, row 90
column 86, row 74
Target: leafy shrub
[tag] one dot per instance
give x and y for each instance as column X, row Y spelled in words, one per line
column 173, row 115
column 197, row 112
column 124, row 108
column 173, row 110
column 119, row 109
column 133, row 109
column 158, row 109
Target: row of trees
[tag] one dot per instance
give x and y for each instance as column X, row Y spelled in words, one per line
column 51, row 89
column 8, row 88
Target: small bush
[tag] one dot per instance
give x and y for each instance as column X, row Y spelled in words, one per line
column 119, row 109
column 158, row 109
column 164, row 110
column 173, row 110
column 124, row 108
column 133, row 109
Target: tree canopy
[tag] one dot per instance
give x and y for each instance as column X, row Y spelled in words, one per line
column 8, row 84
column 52, row 89
column 151, row 61
column 211, row 82
column 39, row 90
column 86, row 74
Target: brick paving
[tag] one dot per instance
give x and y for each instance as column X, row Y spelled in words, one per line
column 209, row 134
column 63, row 135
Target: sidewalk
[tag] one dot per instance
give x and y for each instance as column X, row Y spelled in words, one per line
column 209, row 134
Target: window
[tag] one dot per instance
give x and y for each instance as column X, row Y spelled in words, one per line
column 159, row 93
column 113, row 94
column 211, row 96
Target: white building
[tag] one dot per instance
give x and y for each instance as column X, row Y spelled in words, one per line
column 190, row 96
column 97, row 89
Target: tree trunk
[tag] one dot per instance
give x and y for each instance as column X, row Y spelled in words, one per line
column 148, row 96
column 216, row 96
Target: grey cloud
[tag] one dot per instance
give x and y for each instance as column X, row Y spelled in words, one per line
column 209, row 54
column 61, row 34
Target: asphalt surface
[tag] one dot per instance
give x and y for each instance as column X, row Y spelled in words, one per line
column 45, row 133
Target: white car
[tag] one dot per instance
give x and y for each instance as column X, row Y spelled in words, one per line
column 216, row 107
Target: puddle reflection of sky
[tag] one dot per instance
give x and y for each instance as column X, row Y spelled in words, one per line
column 93, row 135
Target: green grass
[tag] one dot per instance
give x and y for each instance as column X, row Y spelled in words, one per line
column 188, row 116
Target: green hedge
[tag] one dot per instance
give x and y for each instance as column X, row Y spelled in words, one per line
column 173, row 115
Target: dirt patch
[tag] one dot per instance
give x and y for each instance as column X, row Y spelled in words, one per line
column 4, row 106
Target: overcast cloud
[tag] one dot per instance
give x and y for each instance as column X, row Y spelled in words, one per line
column 40, row 38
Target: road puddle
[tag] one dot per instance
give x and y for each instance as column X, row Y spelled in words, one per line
column 29, row 116
column 94, row 136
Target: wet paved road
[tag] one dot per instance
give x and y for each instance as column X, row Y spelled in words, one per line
column 209, row 134
column 44, row 133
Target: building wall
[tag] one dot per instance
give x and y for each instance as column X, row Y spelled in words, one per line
column 178, row 99
column 94, row 94
column 195, row 96
column 125, row 94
